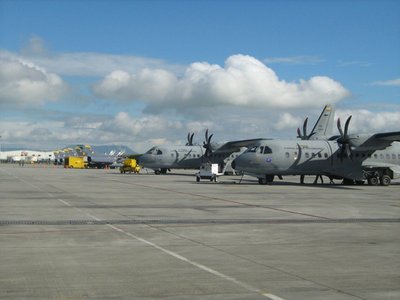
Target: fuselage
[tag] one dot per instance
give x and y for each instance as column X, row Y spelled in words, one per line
column 180, row 157
column 311, row 157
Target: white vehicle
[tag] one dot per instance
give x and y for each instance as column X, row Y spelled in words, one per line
column 208, row 171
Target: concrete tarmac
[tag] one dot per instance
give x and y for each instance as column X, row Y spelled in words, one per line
column 99, row 234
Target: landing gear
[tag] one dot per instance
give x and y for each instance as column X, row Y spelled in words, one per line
column 373, row 181
column 379, row 176
column 266, row 180
column 161, row 171
column 385, row 180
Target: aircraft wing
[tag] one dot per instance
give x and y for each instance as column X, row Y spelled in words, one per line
column 380, row 141
column 234, row 146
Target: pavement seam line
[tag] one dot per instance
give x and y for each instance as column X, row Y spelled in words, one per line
column 178, row 256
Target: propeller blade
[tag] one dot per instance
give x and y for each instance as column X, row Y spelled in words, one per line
column 339, row 127
column 209, row 139
column 299, row 133
column 188, row 139
column 346, row 126
column 305, row 128
column 206, row 134
column 191, row 139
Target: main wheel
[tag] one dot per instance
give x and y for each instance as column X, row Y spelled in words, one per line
column 373, row 181
column 385, row 180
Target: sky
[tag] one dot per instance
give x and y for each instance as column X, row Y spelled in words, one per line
column 143, row 73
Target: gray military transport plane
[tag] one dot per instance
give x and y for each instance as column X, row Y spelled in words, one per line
column 351, row 157
column 191, row 156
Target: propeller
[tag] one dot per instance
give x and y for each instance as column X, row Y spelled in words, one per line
column 304, row 135
column 190, row 139
column 207, row 144
column 344, row 139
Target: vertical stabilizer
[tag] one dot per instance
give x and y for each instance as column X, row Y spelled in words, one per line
column 323, row 129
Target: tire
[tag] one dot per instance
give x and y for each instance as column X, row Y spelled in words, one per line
column 385, row 180
column 347, row 181
column 269, row 178
column 373, row 181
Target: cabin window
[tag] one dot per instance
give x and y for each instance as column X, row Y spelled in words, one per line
column 262, row 149
column 326, row 155
column 313, row 155
column 375, row 155
column 307, row 155
column 381, row 156
column 159, row 152
column 393, row 156
column 398, row 156
column 287, row 154
column 319, row 154
column 387, row 156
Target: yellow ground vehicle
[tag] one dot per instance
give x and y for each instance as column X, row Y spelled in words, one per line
column 75, row 162
column 130, row 165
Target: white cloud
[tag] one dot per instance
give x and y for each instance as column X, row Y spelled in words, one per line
column 244, row 81
column 287, row 121
column 142, row 126
column 357, row 63
column 142, row 132
column 365, row 121
column 23, row 83
column 294, row 60
column 393, row 82
column 86, row 64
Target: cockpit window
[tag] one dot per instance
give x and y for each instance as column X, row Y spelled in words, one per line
column 151, row 151
column 252, row 149
column 154, row 151
column 267, row 150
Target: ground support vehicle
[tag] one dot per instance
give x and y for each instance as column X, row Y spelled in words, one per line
column 130, row 165
column 75, row 162
column 208, row 171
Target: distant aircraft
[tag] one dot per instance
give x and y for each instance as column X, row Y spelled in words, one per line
column 94, row 160
column 352, row 157
column 191, row 156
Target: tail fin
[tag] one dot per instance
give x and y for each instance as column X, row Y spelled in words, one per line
column 323, row 129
